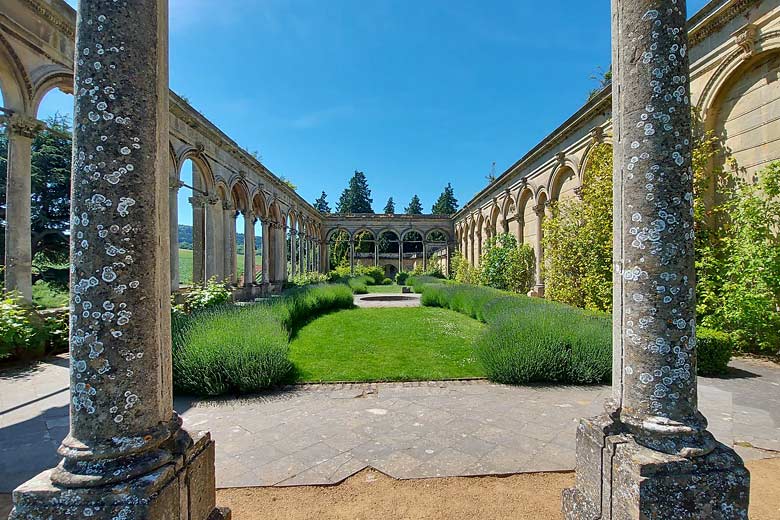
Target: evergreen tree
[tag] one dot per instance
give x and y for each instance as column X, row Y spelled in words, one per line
column 390, row 207
column 321, row 204
column 357, row 197
column 447, row 203
column 50, row 179
column 414, row 207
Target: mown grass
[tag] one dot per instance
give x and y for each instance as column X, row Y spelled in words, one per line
column 387, row 344
column 231, row 349
column 384, row 289
column 185, row 265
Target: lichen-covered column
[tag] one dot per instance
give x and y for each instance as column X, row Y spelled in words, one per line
column 18, row 230
column 538, row 289
column 198, row 203
column 266, row 258
column 173, row 240
column 651, row 455
column 249, row 248
column 126, row 455
column 213, row 247
column 229, row 231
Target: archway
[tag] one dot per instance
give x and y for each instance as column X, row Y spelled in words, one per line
column 389, row 253
column 412, row 248
column 437, row 254
column 338, row 249
column 365, row 248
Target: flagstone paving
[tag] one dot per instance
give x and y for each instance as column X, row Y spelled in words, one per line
column 321, row 434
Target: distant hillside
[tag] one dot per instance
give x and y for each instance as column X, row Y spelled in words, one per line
column 185, row 240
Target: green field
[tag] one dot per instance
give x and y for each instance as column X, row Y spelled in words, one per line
column 384, row 289
column 185, row 265
column 387, row 344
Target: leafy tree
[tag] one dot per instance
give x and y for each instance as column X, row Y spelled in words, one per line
column 50, row 179
column 356, row 198
column 321, row 204
column 507, row 266
column 447, row 204
column 390, row 207
column 414, row 207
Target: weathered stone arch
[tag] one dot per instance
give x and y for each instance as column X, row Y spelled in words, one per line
column 15, row 84
column 259, row 207
column 439, row 235
column 56, row 78
column 563, row 182
column 240, row 195
column 203, row 168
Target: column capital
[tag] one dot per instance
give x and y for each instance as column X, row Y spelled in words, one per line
column 539, row 208
column 198, row 201
column 24, row 126
column 175, row 184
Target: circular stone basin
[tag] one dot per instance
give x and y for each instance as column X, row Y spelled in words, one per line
column 389, row 298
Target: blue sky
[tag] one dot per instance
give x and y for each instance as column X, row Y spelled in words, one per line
column 416, row 93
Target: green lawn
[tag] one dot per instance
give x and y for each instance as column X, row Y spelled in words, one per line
column 185, row 265
column 385, row 289
column 387, row 344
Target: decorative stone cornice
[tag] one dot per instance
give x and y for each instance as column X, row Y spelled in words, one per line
column 24, row 126
column 719, row 21
column 66, row 26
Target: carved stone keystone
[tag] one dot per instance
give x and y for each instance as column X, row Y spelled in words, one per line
column 651, row 456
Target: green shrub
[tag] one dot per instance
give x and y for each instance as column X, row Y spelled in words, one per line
column 359, row 285
column 713, row 351
column 418, row 282
column 310, row 278
column 375, row 274
column 551, row 347
column 245, row 349
column 201, row 297
column 401, row 277
column 22, row 331
column 57, row 325
column 508, row 266
column 464, row 272
column 387, row 281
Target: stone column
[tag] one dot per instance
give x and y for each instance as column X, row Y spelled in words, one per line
column 351, row 256
column 293, row 255
column 18, row 230
column 213, row 239
column 538, row 289
column 425, row 256
column 198, row 203
column 266, row 259
column 650, row 455
column 249, row 248
column 126, row 455
column 281, row 253
column 173, row 218
column 229, row 231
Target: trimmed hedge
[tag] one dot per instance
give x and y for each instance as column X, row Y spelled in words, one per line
column 530, row 340
column 713, row 351
column 231, row 349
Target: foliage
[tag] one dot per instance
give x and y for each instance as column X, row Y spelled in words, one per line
column 201, row 297
column 387, row 281
column 356, row 198
column 290, row 184
column 50, row 180
column 401, row 277
column 417, row 283
column 21, row 330
column 57, row 327
column 507, row 266
column 359, row 284
column 463, row 271
column 245, row 349
column 375, row 273
column 713, row 351
column 604, row 79
column 390, row 344
column 529, row 339
column 389, row 207
column 577, row 240
column 310, row 278
column 740, row 263
column 446, row 204
column 48, row 295
column 321, row 204
column 414, row 207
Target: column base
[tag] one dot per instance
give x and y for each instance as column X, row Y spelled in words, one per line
column 181, row 490
column 537, row 291
column 622, row 480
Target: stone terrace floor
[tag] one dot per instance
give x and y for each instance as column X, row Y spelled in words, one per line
column 318, row 434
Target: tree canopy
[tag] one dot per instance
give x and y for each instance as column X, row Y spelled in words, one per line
column 414, row 207
column 321, row 204
column 447, row 204
column 50, row 202
column 390, row 207
column 356, row 198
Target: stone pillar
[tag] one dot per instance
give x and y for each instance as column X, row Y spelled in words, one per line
column 351, row 256
column 198, row 203
column 229, row 232
column 293, row 256
column 126, row 455
column 650, row 455
column 249, row 248
column 266, row 258
column 538, row 289
column 281, row 253
column 213, row 238
column 18, row 230
column 173, row 218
